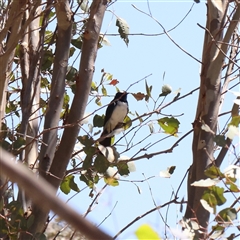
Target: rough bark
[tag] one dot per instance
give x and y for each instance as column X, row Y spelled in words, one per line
column 83, row 85
column 11, row 32
column 209, row 101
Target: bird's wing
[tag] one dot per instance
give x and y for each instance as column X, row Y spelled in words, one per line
column 109, row 112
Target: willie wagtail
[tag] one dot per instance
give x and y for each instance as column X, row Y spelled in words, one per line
column 116, row 111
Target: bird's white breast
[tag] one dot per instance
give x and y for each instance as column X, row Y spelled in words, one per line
column 119, row 113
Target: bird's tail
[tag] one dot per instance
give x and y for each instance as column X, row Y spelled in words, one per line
column 106, row 142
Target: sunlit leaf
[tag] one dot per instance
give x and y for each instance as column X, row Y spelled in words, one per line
column 206, row 206
column 98, row 101
column 169, row 125
column 103, row 40
column 104, row 91
column 227, row 215
column 166, row 89
column 214, row 196
column 128, row 122
column 235, row 121
column 205, row 182
column 123, row 29
column 232, row 171
column 232, row 132
column 112, row 173
column 67, row 184
column 167, row 173
column 111, row 181
column 213, row 172
column 93, row 86
column 237, row 101
column 145, row 232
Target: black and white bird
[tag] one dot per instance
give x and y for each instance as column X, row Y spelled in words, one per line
column 116, row 111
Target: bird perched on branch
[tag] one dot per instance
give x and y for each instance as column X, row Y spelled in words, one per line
column 116, row 111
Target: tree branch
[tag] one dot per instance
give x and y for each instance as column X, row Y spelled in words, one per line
column 36, row 187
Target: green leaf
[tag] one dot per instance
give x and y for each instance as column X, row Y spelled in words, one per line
column 87, row 163
column 71, row 51
column 123, row 168
column 71, row 74
column 235, row 121
column 77, row 42
column 111, row 181
column 123, row 29
column 98, row 120
column 169, row 125
column 227, row 215
column 11, row 106
column 145, row 232
column 93, row 86
column 214, row 196
column 104, row 91
column 98, row 101
column 128, row 122
column 89, row 178
column 19, row 143
column 66, row 100
column 86, row 141
column 213, row 172
column 101, row 164
column 220, row 140
column 47, row 60
column 44, row 83
column 234, row 188
column 148, row 91
column 68, row 184
column 210, row 199
column 139, row 118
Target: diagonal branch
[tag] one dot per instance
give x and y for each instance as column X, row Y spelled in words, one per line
column 36, row 187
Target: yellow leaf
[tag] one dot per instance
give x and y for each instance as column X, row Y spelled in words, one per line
column 145, row 232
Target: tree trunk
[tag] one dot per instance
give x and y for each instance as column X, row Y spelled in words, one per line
column 209, row 102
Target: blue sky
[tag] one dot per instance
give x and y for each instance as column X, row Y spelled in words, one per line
column 146, row 55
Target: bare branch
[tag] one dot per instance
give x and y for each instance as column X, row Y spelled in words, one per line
column 36, row 187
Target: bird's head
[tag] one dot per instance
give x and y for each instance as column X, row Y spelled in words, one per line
column 121, row 96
